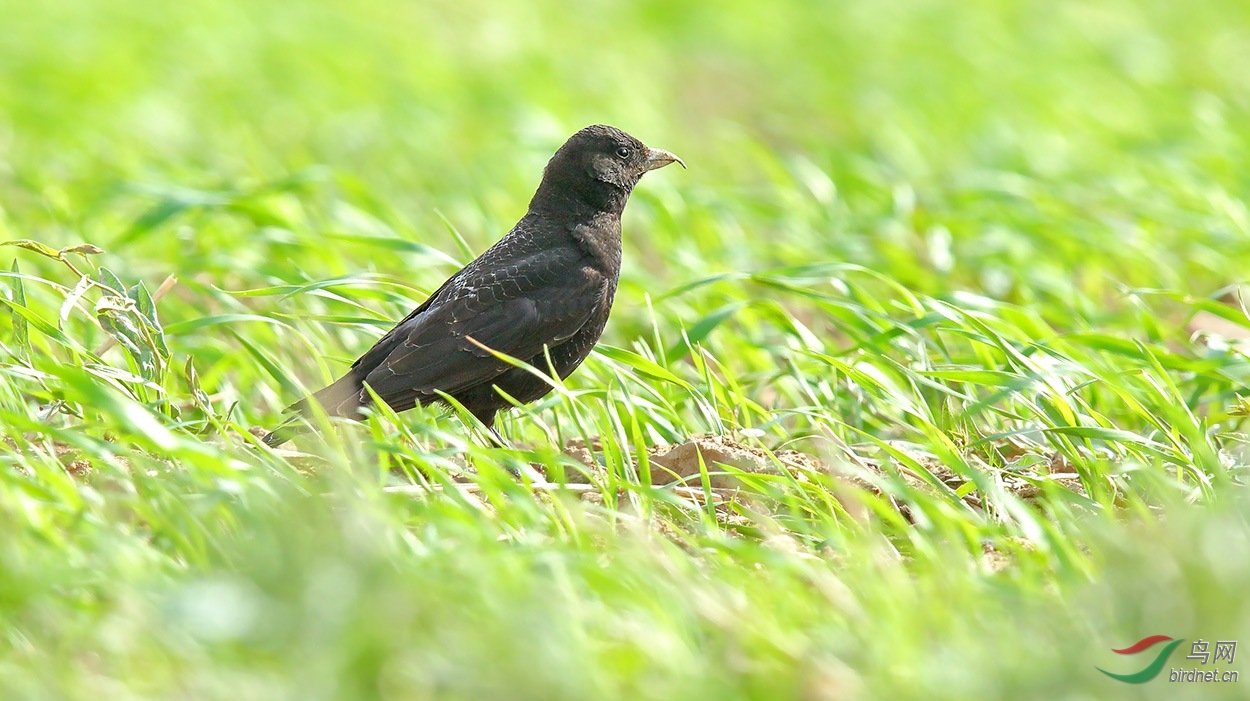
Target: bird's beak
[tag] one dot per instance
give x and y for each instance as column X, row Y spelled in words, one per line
column 658, row 158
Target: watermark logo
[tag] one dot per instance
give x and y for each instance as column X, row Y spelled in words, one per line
column 1151, row 670
column 1199, row 650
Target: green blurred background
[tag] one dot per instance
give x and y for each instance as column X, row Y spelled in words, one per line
column 839, row 131
column 1043, row 168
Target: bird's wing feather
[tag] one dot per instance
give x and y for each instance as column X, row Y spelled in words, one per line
column 540, row 299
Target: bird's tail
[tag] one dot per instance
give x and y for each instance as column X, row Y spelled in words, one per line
column 286, row 430
column 339, row 399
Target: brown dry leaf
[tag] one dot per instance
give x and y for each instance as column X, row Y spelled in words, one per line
column 1214, row 325
column 681, row 462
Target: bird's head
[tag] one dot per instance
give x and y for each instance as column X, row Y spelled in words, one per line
column 598, row 167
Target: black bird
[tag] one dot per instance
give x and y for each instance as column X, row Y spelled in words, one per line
column 545, row 288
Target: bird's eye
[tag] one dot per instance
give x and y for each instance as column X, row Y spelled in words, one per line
column 623, row 152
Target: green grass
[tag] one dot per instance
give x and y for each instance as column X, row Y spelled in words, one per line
column 974, row 243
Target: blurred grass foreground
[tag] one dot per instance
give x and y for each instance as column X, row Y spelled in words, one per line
column 928, row 380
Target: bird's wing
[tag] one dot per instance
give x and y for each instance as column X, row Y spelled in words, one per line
column 533, row 301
